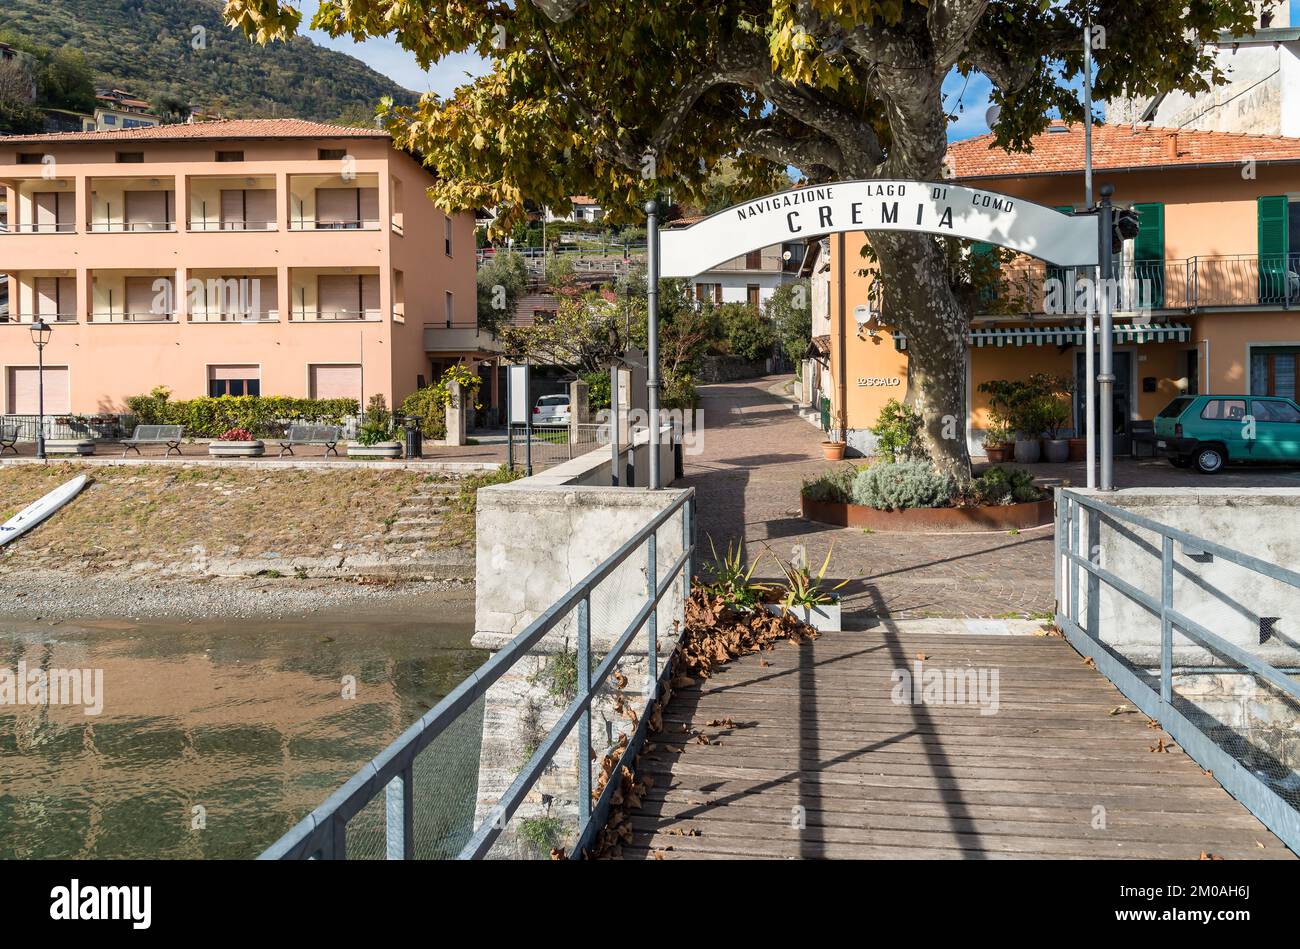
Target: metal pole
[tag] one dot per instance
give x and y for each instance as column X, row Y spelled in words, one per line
column 40, row 400
column 1090, row 356
column 614, row 459
column 528, row 422
column 652, row 332
column 1106, row 369
column 510, row 421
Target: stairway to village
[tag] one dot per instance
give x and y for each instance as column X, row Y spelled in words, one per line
column 422, row 543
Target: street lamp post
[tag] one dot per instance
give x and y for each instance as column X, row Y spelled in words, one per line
column 41, row 332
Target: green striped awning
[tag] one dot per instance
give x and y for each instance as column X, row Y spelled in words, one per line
column 1069, row 335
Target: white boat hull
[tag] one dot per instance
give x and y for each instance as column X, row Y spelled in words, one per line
column 40, row 509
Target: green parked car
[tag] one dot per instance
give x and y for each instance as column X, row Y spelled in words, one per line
column 1209, row 431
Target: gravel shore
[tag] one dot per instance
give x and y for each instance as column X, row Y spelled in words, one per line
column 53, row 596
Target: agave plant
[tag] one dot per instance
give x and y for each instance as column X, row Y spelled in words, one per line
column 802, row 587
column 732, row 578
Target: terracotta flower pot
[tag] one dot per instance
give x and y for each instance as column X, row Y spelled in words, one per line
column 997, row 454
column 1078, row 449
column 834, row 451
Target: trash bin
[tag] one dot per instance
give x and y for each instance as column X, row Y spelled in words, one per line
column 414, row 438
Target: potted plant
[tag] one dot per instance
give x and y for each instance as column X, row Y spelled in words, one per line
column 732, row 581
column 833, row 448
column 805, row 597
column 374, row 438
column 997, row 442
column 1055, row 416
column 236, row 443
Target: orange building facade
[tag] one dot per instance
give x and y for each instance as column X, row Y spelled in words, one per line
column 272, row 257
column 1208, row 293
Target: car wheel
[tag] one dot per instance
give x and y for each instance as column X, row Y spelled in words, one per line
column 1209, row 459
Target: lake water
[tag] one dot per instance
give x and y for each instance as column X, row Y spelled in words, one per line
column 216, row 738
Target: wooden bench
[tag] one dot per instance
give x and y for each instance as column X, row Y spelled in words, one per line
column 8, row 438
column 327, row 435
column 169, row 435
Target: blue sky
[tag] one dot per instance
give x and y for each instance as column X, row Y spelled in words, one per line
column 968, row 99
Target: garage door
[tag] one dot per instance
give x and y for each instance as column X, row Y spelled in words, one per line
column 336, row 382
column 22, row 389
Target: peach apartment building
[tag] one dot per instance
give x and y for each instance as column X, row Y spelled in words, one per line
column 273, row 257
column 1209, row 289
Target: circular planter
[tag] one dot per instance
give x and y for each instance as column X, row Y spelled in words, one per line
column 997, row 454
column 1003, row 517
column 833, row 451
column 1056, row 450
column 1078, row 449
column 1028, row 451
column 378, row 450
column 69, row 446
column 253, row 449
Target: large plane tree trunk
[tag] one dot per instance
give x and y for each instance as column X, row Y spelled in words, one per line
column 920, row 303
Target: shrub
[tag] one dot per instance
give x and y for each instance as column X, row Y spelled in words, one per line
column 236, row 435
column 1003, row 486
column 835, row 486
column 897, row 431
column 597, row 389
column 208, row 417
column 748, row 335
column 896, row 486
column 429, row 405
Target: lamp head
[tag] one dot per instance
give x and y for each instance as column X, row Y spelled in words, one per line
column 41, row 332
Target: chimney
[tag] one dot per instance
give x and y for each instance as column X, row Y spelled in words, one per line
column 1171, row 145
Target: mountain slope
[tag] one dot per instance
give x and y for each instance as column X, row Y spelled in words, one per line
column 147, row 46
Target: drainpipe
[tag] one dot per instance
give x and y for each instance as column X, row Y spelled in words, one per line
column 842, row 330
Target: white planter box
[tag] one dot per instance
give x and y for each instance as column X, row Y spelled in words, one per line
column 69, row 446
column 253, row 449
column 825, row 618
column 379, row 450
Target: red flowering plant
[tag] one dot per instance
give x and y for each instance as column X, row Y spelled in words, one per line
column 236, row 435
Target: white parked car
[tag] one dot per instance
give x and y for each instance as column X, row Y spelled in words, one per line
column 551, row 410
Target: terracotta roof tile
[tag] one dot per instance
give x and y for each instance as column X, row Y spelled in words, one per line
column 1060, row 150
column 200, row 131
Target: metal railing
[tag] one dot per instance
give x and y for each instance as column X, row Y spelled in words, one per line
column 241, row 316
column 131, row 316
column 104, row 426
column 65, row 317
column 391, row 775
column 1032, row 288
column 366, row 225
column 333, row 316
column 553, row 444
column 1236, row 763
column 128, row 227
column 238, row 226
column 58, row 227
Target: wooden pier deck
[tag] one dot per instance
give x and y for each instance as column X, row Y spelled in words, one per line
column 808, row 757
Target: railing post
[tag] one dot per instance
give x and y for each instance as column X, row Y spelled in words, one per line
column 1058, row 564
column 1196, row 283
column 652, row 622
column 1166, row 625
column 1074, row 566
column 399, row 814
column 686, row 546
column 584, row 725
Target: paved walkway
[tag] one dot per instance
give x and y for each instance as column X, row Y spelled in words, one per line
column 756, row 454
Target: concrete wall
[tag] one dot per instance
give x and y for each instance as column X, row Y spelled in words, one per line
column 536, row 539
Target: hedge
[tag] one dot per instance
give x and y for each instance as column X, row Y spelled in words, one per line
column 208, row 417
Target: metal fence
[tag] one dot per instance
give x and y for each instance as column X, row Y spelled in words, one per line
column 545, row 447
column 379, row 812
column 60, row 426
column 1254, row 772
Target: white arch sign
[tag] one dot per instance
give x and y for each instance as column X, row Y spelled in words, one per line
column 921, row 206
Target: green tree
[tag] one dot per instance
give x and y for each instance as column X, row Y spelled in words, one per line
column 790, row 313
column 502, row 280
column 745, row 334
column 67, row 82
column 839, row 89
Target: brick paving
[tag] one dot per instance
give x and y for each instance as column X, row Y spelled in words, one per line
column 756, row 454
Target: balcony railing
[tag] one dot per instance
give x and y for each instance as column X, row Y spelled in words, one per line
column 127, row 227
column 250, row 316
column 1032, row 288
column 131, row 316
column 58, row 227
column 301, row 225
column 63, row 317
column 334, row 316
column 240, row 226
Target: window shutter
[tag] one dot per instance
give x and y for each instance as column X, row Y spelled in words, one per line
column 368, row 202
column 1272, row 248
column 232, row 210
column 1149, row 254
column 259, row 208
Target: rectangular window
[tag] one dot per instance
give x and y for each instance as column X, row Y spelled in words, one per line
column 149, row 299
column 130, row 158
column 754, row 260
column 346, row 208
column 234, row 380
column 331, row 154
column 149, row 210
column 449, row 303
column 1273, row 371
column 53, row 212
column 1274, row 249
column 30, row 158
column 751, row 294
column 347, row 297
column 1274, row 412
column 334, row 382
column 1216, row 409
column 230, row 156
column 446, row 236
column 24, row 394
